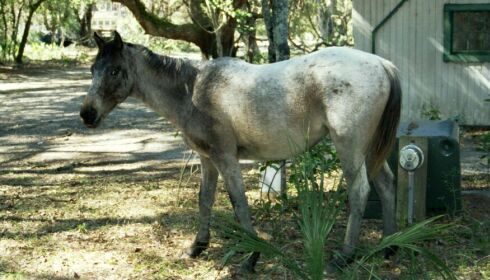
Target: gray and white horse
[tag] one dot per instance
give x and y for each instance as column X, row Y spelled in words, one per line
column 228, row 110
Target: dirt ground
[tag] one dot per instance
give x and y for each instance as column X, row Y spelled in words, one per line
column 113, row 203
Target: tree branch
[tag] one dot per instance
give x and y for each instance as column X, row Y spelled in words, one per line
column 157, row 26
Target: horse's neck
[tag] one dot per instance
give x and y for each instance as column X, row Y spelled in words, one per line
column 164, row 90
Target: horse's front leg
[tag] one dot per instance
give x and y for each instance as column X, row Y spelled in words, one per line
column 206, row 200
column 229, row 169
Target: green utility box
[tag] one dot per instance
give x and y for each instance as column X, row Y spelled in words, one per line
column 443, row 184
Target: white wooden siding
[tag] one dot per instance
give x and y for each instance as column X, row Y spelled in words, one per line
column 413, row 40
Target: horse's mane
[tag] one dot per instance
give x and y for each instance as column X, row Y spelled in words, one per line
column 175, row 68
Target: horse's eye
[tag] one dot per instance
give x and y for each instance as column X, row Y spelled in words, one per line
column 115, row 71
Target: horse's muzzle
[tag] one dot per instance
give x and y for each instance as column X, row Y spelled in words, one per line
column 90, row 117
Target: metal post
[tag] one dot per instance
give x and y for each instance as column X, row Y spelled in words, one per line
column 411, row 183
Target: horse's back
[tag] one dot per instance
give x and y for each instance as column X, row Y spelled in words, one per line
column 278, row 109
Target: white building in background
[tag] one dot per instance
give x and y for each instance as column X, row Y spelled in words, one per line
column 442, row 48
column 107, row 17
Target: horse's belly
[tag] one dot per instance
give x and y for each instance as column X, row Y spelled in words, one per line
column 279, row 143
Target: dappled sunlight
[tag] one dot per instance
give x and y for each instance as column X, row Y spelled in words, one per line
column 88, row 203
column 110, row 265
column 481, row 75
column 131, row 210
column 46, row 85
column 111, row 231
column 119, row 141
column 113, row 143
column 45, row 141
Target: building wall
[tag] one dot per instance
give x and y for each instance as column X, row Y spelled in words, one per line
column 413, row 40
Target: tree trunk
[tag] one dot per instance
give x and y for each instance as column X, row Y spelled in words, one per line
column 86, row 22
column 276, row 22
column 250, row 39
column 62, row 37
column 253, row 50
column 23, row 42
column 228, row 38
column 281, row 32
column 325, row 12
column 52, row 29
column 15, row 29
column 88, row 19
column 269, row 27
column 4, row 42
column 25, row 35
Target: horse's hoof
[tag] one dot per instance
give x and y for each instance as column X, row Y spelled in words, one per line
column 247, row 268
column 333, row 267
column 338, row 264
column 196, row 249
column 391, row 251
column 249, row 265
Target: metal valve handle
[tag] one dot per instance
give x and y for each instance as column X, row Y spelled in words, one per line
column 411, row 158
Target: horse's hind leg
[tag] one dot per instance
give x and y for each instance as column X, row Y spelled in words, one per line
column 206, row 200
column 358, row 194
column 384, row 185
column 354, row 169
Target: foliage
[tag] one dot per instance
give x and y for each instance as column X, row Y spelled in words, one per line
column 484, row 146
column 219, row 20
column 411, row 241
column 61, row 18
column 246, row 241
column 12, row 12
column 317, row 215
column 431, row 112
column 16, row 16
column 314, row 23
column 211, row 24
column 314, row 164
column 221, row 8
column 67, row 56
column 318, row 212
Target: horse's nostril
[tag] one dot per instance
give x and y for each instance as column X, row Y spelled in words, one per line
column 89, row 115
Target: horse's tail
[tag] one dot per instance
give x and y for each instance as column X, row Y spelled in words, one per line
column 385, row 135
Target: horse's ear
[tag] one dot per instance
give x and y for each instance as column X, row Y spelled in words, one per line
column 118, row 40
column 100, row 42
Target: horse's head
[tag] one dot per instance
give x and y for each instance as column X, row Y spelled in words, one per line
column 111, row 81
